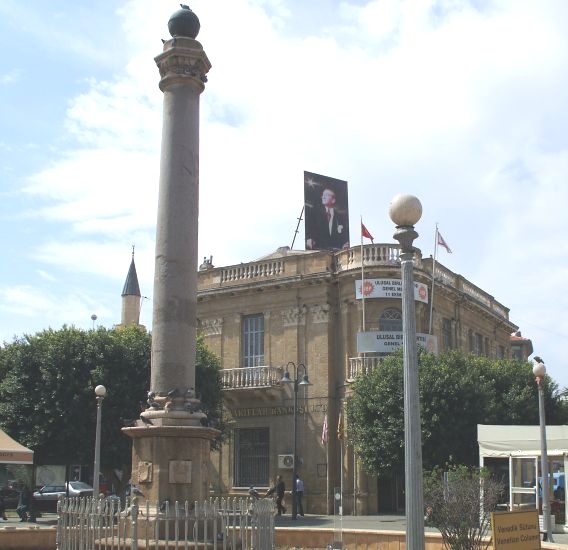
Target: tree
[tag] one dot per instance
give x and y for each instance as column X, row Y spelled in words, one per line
column 457, row 392
column 459, row 503
column 47, row 389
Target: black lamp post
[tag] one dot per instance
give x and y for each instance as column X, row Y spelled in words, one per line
column 297, row 382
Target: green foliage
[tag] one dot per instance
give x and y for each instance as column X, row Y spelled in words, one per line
column 457, row 392
column 208, row 386
column 47, row 389
column 459, row 502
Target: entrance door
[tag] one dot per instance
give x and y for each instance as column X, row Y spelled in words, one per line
column 390, row 494
column 523, row 472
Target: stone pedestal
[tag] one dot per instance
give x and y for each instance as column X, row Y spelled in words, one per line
column 171, row 462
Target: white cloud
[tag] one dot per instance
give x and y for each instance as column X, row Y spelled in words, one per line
column 10, row 77
column 460, row 103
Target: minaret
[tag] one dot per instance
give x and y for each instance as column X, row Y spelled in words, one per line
column 171, row 443
column 131, row 297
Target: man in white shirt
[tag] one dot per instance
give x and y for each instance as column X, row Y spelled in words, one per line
column 299, row 486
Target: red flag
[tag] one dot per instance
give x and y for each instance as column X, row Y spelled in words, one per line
column 365, row 232
column 324, row 432
column 443, row 243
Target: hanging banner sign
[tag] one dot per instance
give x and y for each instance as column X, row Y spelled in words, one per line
column 388, row 288
column 387, row 341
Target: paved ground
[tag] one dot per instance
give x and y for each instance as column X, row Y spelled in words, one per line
column 371, row 523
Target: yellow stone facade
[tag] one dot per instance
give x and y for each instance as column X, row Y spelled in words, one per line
column 301, row 307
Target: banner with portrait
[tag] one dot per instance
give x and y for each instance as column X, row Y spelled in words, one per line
column 326, row 212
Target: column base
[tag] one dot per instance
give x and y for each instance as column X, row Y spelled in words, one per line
column 171, row 462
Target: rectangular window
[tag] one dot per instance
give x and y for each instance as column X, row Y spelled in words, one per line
column 252, row 448
column 477, row 344
column 446, row 334
column 517, row 352
column 253, row 341
column 501, row 352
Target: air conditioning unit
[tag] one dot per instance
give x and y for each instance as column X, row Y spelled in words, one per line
column 285, row 462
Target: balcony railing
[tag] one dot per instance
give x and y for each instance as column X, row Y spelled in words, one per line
column 385, row 254
column 250, row 377
column 361, row 365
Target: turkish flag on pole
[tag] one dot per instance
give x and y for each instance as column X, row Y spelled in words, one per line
column 365, row 232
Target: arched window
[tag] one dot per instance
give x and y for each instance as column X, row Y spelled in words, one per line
column 391, row 320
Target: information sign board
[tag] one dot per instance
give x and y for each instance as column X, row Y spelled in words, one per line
column 518, row 530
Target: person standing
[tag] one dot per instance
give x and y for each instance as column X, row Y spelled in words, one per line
column 24, row 503
column 3, row 509
column 299, row 486
column 278, row 489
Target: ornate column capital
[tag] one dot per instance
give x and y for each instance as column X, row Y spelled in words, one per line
column 183, row 61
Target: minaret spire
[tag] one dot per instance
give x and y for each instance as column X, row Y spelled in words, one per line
column 131, row 297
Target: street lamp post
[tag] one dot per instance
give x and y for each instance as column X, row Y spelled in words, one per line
column 100, row 392
column 297, row 382
column 405, row 211
column 539, row 370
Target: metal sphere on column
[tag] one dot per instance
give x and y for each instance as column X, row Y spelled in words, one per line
column 100, row 392
column 405, row 211
column 539, row 370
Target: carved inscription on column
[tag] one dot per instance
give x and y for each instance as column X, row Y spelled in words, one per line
column 180, row 471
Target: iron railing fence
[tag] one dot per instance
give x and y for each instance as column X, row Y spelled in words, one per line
column 217, row 523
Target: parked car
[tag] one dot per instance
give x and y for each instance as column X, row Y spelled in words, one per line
column 46, row 498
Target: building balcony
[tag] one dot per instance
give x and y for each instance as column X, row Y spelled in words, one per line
column 263, row 382
column 374, row 255
column 361, row 365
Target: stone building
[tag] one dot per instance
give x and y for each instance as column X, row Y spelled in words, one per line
column 292, row 309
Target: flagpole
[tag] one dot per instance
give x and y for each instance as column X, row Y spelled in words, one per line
column 362, row 274
column 433, row 272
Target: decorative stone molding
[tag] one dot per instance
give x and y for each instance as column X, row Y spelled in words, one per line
column 293, row 316
column 211, row 327
column 320, row 314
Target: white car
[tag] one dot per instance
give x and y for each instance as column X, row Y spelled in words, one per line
column 50, row 493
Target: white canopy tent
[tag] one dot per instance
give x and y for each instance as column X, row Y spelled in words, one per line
column 505, row 441
column 520, row 446
column 12, row 452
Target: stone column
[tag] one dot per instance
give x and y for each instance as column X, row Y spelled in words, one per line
column 171, row 443
column 183, row 66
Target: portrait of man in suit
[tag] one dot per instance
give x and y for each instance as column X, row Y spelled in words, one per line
column 327, row 219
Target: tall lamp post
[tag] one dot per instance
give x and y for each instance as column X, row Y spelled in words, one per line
column 405, row 211
column 539, row 370
column 297, row 383
column 100, row 392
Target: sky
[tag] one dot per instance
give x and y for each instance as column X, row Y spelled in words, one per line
column 461, row 103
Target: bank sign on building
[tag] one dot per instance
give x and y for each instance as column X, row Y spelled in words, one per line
column 387, row 341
